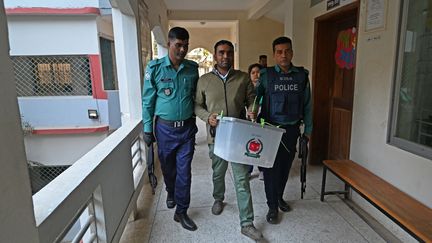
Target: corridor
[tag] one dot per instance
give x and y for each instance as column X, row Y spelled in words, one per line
column 309, row 221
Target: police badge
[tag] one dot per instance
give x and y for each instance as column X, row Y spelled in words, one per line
column 167, row 91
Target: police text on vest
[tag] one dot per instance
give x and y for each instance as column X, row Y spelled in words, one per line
column 286, row 87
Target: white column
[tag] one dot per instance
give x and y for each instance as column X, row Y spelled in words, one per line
column 128, row 72
column 162, row 51
column 289, row 18
column 17, row 221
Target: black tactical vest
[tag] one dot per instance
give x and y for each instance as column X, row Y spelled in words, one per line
column 284, row 101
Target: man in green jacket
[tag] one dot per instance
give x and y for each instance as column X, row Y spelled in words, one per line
column 227, row 90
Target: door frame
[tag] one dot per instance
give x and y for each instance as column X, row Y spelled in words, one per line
column 322, row 78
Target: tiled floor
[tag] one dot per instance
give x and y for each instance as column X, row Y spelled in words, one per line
column 309, row 221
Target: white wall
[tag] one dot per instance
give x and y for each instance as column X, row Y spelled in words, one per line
column 63, row 111
column 51, row 3
column 255, row 36
column 372, row 98
column 61, row 149
column 289, row 16
column 17, row 222
column 157, row 16
column 303, row 29
column 104, row 4
column 114, row 114
column 128, row 66
column 53, row 35
column 206, row 38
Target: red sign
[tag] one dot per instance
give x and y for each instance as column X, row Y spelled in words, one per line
column 254, row 148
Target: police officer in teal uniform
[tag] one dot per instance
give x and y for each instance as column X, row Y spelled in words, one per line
column 286, row 94
column 168, row 100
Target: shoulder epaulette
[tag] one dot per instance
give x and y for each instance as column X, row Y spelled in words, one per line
column 191, row 63
column 301, row 68
column 155, row 62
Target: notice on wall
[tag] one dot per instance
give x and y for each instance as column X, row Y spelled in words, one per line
column 375, row 14
column 331, row 4
column 314, row 2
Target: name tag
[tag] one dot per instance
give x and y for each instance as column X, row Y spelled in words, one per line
column 285, row 78
column 165, row 80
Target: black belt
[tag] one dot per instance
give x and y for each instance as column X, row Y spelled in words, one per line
column 176, row 123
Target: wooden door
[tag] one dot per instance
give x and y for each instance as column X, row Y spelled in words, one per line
column 333, row 83
column 342, row 91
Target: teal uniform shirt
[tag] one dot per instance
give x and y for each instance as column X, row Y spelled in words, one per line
column 261, row 91
column 168, row 93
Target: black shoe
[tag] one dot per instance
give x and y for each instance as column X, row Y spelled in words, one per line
column 170, row 201
column 272, row 216
column 284, row 207
column 185, row 221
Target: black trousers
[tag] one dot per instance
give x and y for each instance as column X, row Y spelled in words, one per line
column 275, row 178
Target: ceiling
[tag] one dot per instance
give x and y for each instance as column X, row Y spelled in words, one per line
column 210, row 4
column 204, row 24
column 273, row 9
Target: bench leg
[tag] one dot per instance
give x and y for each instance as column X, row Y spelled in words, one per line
column 347, row 191
column 323, row 183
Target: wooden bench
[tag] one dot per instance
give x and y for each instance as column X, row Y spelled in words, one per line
column 408, row 213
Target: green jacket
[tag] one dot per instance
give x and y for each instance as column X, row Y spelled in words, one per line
column 168, row 93
column 213, row 95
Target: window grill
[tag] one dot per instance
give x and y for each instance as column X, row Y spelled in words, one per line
column 52, row 75
column 41, row 175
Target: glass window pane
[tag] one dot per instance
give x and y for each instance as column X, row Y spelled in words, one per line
column 108, row 64
column 414, row 115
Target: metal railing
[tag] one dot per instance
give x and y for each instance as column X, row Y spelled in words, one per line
column 82, row 229
column 138, row 158
column 52, row 75
column 136, row 151
column 103, row 176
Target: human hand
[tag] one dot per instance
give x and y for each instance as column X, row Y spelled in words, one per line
column 149, row 138
column 212, row 119
column 252, row 115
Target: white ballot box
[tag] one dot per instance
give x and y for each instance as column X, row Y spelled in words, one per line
column 246, row 142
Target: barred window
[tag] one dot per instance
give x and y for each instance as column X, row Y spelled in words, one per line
column 52, row 75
